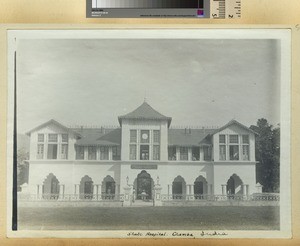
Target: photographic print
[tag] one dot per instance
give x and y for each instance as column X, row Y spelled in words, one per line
column 150, row 133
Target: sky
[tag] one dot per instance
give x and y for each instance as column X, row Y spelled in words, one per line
column 196, row 82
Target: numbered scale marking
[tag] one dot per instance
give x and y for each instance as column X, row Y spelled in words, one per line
column 225, row 9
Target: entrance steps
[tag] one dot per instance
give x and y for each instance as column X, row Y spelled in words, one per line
column 142, row 203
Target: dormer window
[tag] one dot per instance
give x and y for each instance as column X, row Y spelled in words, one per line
column 234, row 147
column 40, row 146
column 41, row 138
column 222, row 147
column 207, row 153
column 52, row 138
column 104, row 153
column 245, row 148
column 92, row 152
column 183, row 153
column 52, row 146
column 79, row 152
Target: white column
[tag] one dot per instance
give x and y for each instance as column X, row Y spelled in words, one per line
column 98, row 153
column 247, row 190
column 187, row 189
column 77, row 189
column 61, row 191
column 117, row 189
column 190, row 154
column 201, row 154
column 191, row 192
column 187, row 192
column 192, row 189
column 99, row 192
column 86, row 153
column 38, row 191
column 244, row 187
column 223, row 189
column 209, row 189
column 177, row 153
column 109, row 153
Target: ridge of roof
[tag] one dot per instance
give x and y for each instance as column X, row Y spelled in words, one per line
column 189, row 137
column 110, row 138
column 52, row 121
column 145, row 112
column 237, row 123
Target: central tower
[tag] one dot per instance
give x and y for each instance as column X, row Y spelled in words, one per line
column 144, row 135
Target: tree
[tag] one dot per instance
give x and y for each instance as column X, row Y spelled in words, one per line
column 268, row 155
column 22, row 167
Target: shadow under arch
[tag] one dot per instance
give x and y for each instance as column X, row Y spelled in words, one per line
column 178, row 187
column 51, row 187
column 200, row 187
column 143, row 186
column 108, row 187
column 86, row 188
column 234, row 185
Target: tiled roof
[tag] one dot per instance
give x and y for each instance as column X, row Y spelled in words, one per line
column 145, row 112
column 112, row 137
column 190, row 137
column 102, row 136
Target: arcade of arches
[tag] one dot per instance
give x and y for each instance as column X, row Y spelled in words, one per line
column 143, row 187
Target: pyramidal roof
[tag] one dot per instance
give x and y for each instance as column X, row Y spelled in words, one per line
column 145, row 112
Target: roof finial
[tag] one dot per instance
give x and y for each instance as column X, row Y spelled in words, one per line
column 145, row 97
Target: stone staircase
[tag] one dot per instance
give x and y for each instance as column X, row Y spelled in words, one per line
column 142, row 203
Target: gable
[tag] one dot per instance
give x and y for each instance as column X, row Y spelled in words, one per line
column 51, row 126
column 234, row 127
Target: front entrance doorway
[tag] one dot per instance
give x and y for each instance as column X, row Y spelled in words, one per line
column 144, row 186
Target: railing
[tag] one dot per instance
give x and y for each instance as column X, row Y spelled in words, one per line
column 72, row 197
column 164, row 197
column 265, row 197
column 205, row 197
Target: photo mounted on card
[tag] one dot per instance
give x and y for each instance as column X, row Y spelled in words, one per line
column 142, row 133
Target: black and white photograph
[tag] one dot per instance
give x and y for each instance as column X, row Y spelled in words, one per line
column 149, row 133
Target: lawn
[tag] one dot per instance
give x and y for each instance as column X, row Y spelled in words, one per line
column 149, row 218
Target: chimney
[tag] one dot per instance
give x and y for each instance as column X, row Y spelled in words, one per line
column 190, row 131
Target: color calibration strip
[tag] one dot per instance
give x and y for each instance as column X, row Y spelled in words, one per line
column 215, row 9
column 148, row 4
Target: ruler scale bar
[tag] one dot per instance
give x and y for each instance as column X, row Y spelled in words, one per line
column 222, row 9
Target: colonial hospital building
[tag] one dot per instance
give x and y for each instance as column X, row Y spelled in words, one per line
column 143, row 159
